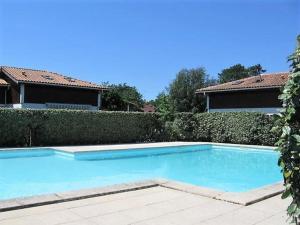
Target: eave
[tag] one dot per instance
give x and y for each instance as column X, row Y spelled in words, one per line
column 238, row 89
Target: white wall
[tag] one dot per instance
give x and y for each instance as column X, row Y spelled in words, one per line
column 53, row 106
column 262, row 110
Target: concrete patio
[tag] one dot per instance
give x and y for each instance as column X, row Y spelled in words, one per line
column 150, row 206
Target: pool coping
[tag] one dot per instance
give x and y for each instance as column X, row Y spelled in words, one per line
column 243, row 198
column 39, row 200
column 117, row 147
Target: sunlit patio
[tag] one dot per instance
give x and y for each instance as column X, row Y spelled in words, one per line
column 156, row 206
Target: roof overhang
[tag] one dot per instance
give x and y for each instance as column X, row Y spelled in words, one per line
column 8, row 75
column 234, row 90
column 66, row 86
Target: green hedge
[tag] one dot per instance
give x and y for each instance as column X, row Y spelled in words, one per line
column 239, row 127
column 66, row 127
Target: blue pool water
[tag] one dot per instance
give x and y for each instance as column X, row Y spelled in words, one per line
column 43, row 171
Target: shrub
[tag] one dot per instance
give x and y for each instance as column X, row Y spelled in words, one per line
column 289, row 142
column 66, row 127
column 182, row 128
column 238, row 127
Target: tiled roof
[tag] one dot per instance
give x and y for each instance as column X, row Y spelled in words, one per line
column 148, row 108
column 3, row 82
column 272, row 80
column 23, row 75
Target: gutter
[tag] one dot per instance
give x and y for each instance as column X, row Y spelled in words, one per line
column 67, row 86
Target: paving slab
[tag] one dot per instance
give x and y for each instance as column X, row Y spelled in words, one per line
column 112, row 219
column 240, row 216
column 278, row 219
column 152, row 206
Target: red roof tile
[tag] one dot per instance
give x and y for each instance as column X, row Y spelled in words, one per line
column 23, row 75
column 272, row 80
column 148, row 108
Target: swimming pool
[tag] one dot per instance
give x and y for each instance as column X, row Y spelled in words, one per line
column 43, row 171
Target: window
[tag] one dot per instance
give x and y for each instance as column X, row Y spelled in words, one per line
column 47, row 77
column 70, row 79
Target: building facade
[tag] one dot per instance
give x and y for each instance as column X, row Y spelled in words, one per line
column 253, row 94
column 39, row 89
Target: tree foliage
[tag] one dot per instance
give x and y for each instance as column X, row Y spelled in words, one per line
column 162, row 103
column 239, row 71
column 182, row 90
column 289, row 142
column 121, row 97
column 163, row 106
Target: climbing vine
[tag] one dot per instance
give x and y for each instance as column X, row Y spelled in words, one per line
column 289, row 141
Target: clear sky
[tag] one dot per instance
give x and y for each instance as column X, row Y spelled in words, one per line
column 145, row 43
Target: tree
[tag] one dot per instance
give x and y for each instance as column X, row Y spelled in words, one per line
column 182, row 90
column 289, row 142
column 163, row 106
column 255, row 70
column 122, row 97
column 112, row 101
column 129, row 94
column 239, row 71
column 210, row 82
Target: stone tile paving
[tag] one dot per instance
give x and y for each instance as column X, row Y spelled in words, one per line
column 152, row 206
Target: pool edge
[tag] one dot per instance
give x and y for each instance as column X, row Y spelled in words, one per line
column 244, row 198
column 47, row 199
column 111, row 147
column 240, row 198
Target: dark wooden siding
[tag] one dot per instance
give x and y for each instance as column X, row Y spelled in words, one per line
column 53, row 94
column 2, row 94
column 245, row 99
column 13, row 93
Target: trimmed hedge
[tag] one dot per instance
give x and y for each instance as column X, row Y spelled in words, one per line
column 66, row 127
column 71, row 127
column 237, row 127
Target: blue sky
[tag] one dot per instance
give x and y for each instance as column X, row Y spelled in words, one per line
column 145, row 43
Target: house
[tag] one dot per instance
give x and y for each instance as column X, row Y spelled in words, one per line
column 148, row 108
column 4, row 86
column 39, row 89
column 253, row 94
